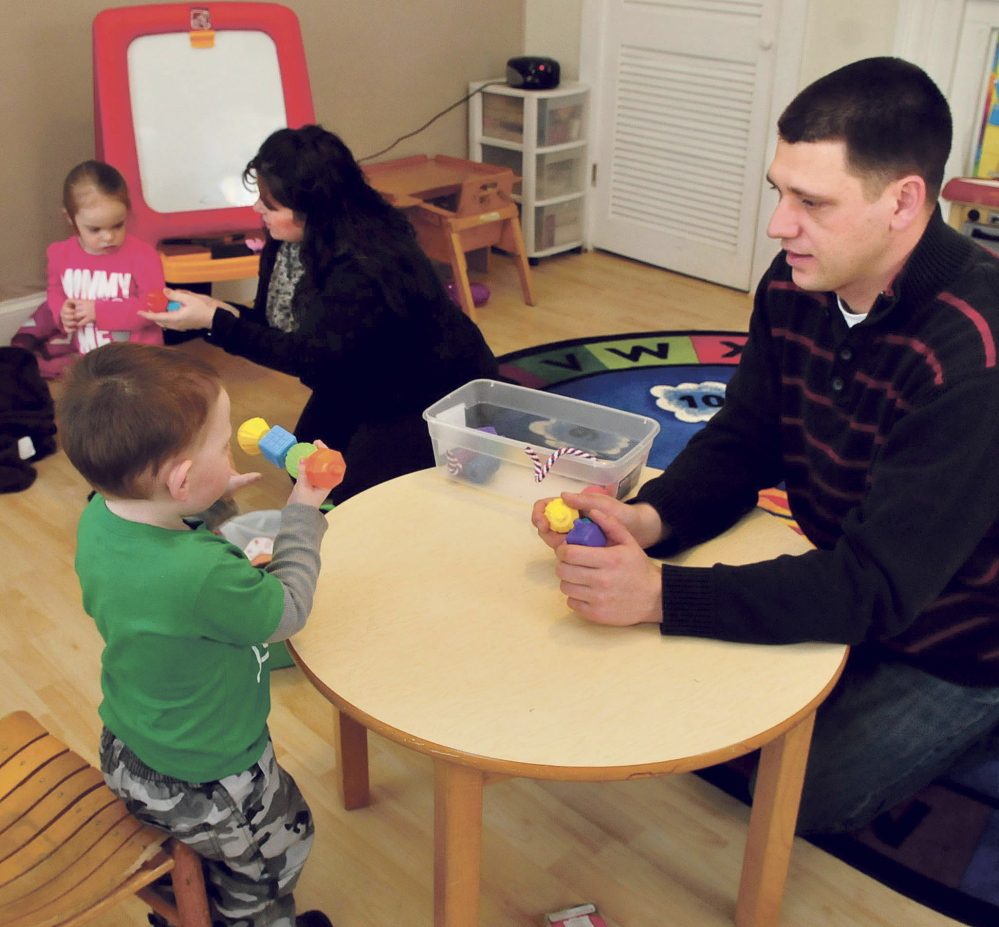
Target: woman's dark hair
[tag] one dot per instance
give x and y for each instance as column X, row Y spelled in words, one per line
column 312, row 172
column 892, row 117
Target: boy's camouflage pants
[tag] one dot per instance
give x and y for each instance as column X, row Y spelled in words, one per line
column 253, row 830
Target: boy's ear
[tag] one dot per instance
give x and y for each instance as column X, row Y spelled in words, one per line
column 69, row 219
column 177, row 479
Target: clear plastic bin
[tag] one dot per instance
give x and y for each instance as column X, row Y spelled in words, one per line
column 501, row 437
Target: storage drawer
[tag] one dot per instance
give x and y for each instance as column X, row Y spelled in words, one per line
column 558, row 224
column 561, row 120
column 560, row 173
column 504, row 157
column 503, row 117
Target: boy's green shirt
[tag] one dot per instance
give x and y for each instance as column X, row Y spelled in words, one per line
column 184, row 616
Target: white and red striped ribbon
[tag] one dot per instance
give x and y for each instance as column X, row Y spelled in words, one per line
column 541, row 469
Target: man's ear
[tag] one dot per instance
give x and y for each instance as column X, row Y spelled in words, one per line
column 177, row 479
column 910, row 201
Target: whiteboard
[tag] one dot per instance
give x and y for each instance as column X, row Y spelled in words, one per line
column 200, row 114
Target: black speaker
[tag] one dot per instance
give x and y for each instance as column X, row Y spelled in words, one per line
column 532, row 73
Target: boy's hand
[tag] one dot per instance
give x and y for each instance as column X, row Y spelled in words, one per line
column 238, row 481
column 617, row 584
column 303, row 492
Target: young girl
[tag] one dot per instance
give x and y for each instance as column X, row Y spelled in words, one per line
column 99, row 279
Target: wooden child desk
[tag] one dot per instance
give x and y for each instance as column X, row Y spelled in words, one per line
column 456, row 206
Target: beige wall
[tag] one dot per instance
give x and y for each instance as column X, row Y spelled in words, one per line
column 841, row 31
column 378, row 69
column 837, row 32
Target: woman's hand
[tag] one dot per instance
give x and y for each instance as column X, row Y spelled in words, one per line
column 196, row 311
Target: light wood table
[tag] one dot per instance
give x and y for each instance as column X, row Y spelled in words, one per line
column 438, row 624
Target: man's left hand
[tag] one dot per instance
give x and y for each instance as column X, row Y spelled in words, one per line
column 617, row 584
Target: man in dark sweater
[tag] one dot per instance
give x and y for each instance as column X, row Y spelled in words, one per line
column 869, row 387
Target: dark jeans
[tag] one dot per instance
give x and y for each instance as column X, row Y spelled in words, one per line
column 886, row 731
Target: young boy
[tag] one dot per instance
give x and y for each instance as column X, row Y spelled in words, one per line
column 186, row 621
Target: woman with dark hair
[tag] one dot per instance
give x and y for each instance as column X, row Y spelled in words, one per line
column 348, row 303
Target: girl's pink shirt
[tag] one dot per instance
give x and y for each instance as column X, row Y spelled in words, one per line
column 118, row 283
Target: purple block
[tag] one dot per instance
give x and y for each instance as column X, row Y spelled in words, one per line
column 585, row 532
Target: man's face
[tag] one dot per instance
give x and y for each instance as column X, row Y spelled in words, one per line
column 834, row 234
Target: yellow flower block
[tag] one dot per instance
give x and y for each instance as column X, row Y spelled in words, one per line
column 250, row 433
column 560, row 516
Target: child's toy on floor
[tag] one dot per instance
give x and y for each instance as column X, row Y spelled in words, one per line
column 324, row 468
column 480, row 293
column 156, row 301
column 582, row 915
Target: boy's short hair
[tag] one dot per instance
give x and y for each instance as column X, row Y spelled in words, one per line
column 127, row 408
column 892, row 117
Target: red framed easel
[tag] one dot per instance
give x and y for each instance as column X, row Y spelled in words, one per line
column 183, row 97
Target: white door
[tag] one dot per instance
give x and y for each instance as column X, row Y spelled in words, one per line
column 682, row 130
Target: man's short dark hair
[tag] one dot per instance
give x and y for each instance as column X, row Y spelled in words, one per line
column 892, row 117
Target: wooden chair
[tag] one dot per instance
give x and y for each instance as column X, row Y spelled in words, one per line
column 69, row 849
column 457, row 206
column 485, row 215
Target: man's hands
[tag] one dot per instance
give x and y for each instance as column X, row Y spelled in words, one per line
column 617, row 584
column 641, row 521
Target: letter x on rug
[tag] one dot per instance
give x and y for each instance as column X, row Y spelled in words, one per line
column 941, row 847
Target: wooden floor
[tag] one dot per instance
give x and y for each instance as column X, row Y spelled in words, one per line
column 653, row 853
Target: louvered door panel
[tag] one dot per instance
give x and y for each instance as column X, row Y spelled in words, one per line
column 681, row 133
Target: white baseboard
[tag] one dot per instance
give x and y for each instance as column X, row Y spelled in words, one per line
column 15, row 312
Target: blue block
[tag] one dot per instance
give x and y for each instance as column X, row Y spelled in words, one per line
column 276, row 443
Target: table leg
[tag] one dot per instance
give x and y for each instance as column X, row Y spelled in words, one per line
column 523, row 265
column 457, row 844
column 351, row 742
column 771, row 826
column 459, row 271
